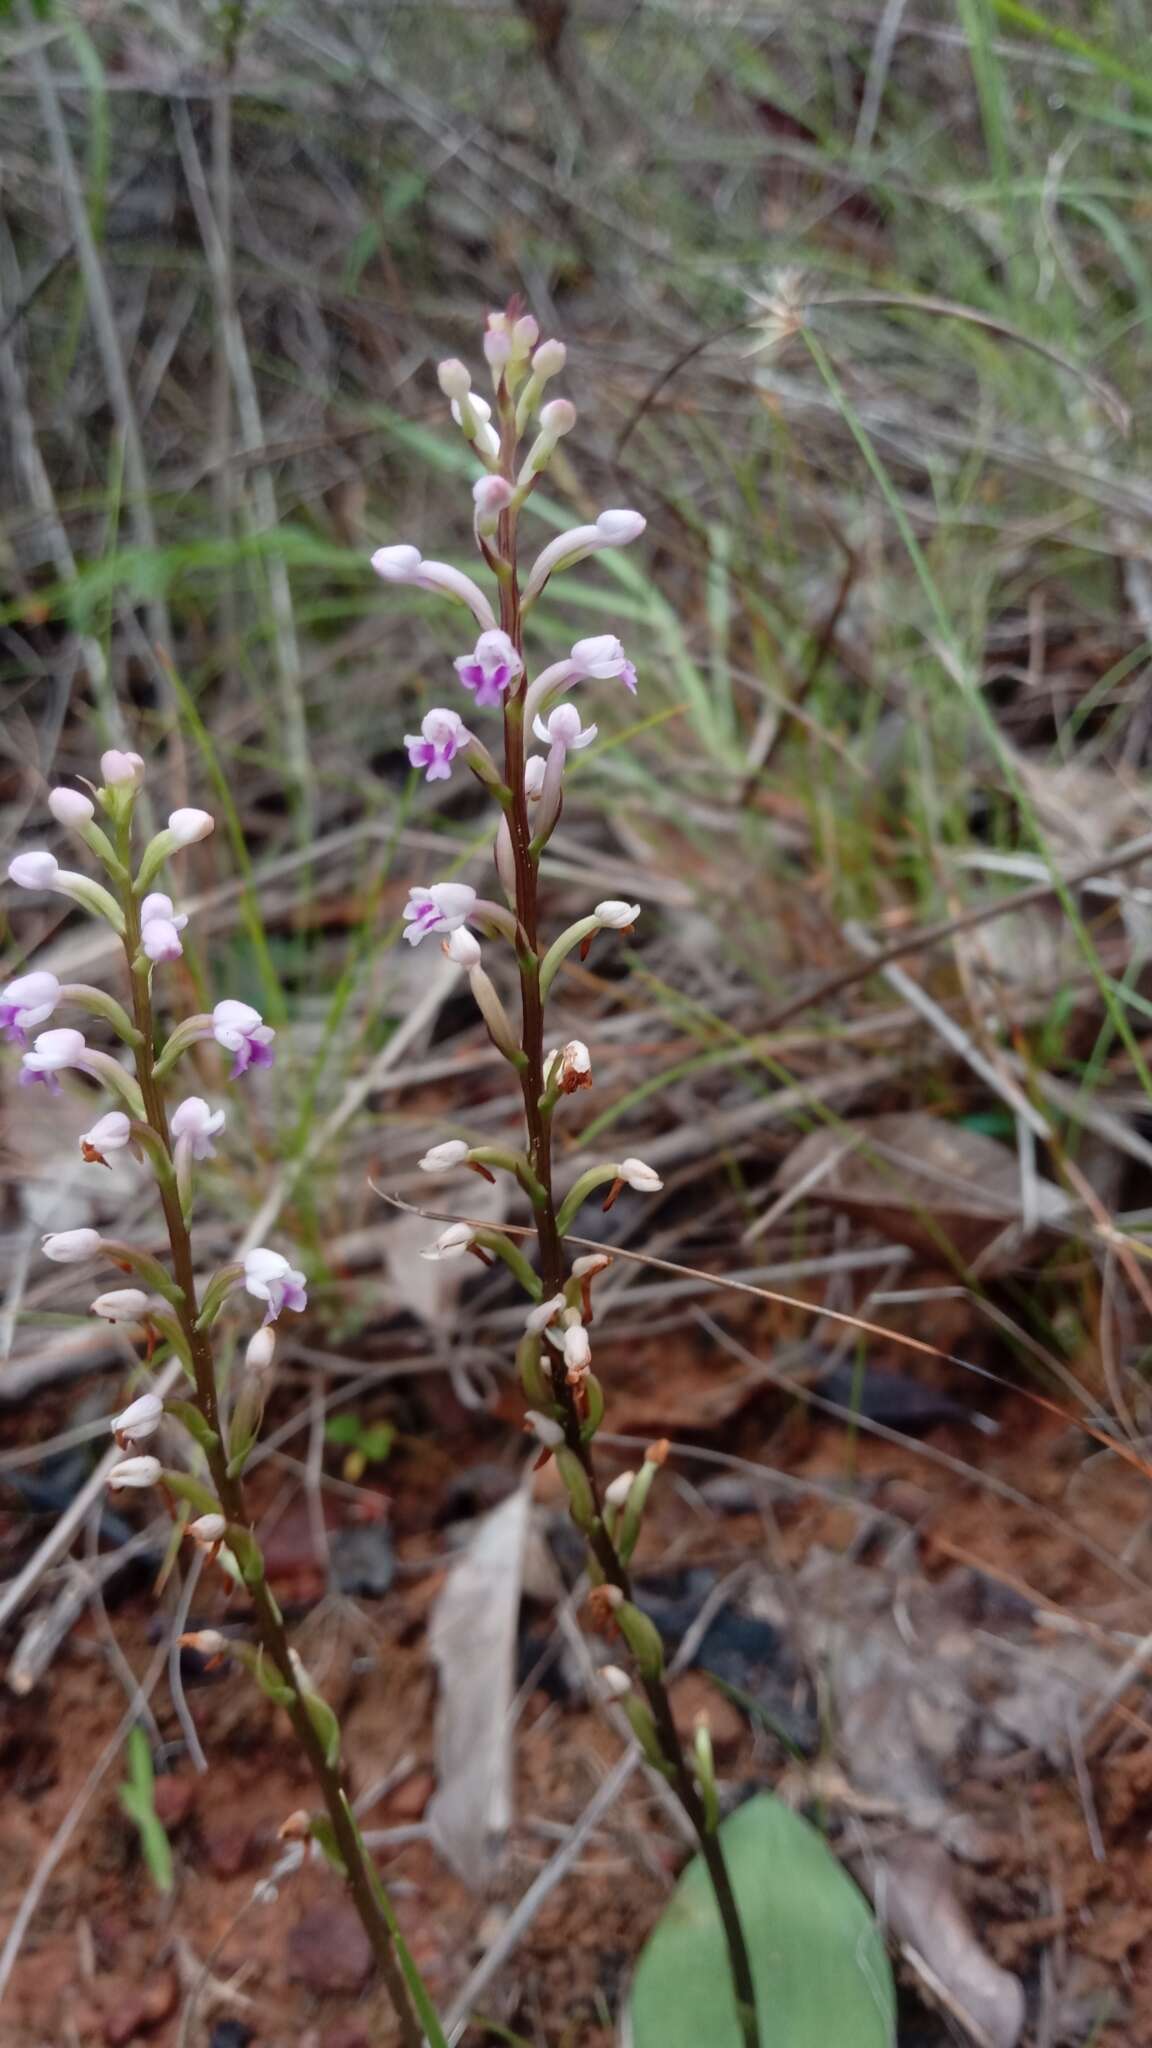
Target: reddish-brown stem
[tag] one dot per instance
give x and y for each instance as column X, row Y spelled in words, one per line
column 229, row 1491
column 552, row 1275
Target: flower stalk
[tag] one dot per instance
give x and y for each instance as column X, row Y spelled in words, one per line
column 565, row 1400
column 220, row 1524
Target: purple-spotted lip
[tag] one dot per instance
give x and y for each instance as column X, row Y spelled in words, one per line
column 436, row 760
column 488, row 683
column 34, row 1077
column 251, row 1053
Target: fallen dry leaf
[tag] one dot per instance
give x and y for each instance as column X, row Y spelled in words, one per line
column 922, row 1182
column 472, row 1635
column 914, row 1895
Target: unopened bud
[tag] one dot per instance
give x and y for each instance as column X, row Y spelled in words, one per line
column 525, row 335
column 497, row 350
column 120, row 769
column 557, row 417
column 207, row 1531
column 615, row 1683
column 462, row 947
column 207, row 1642
column 453, row 378
column 141, row 1419
column 261, row 1349
column 549, row 360
column 544, row 1429
column 71, row 807
column 134, row 1472
column 617, row 1491
column 296, row 1828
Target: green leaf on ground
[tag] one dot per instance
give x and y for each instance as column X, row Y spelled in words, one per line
column 819, row 1962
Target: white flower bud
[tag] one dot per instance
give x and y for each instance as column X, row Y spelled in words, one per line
column 497, row 349
column 614, row 1683
column 544, row 1429
column 589, row 1265
column 109, row 1133
column 121, row 1305
column 261, row 1349
column 71, row 1247
column 617, row 1491
column 618, row 529
column 577, row 1349
column 491, row 495
column 118, row 768
column 36, row 870
column 613, row 915
column 450, row 1243
column 207, row 1642
column 134, row 1472
column 188, row 826
column 71, row 807
column 525, row 334
column 545, row 1312
column 463, row 948
column 140, row 1419
column 442, row 1158
column 207, row 1531
column 558, row 417
column 453, row 378
column 549, row 360
column 638, row 1176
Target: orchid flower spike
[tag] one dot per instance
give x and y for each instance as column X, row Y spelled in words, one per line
column 441, row 736
column 445, row 907
column 562, row 728
column 405, row 564
column 160, row 927
column 27, row 1002
column 490, row 668
column 241, row 1030
column 450, row 1243
column 269, row 1277
column 110, row 1133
